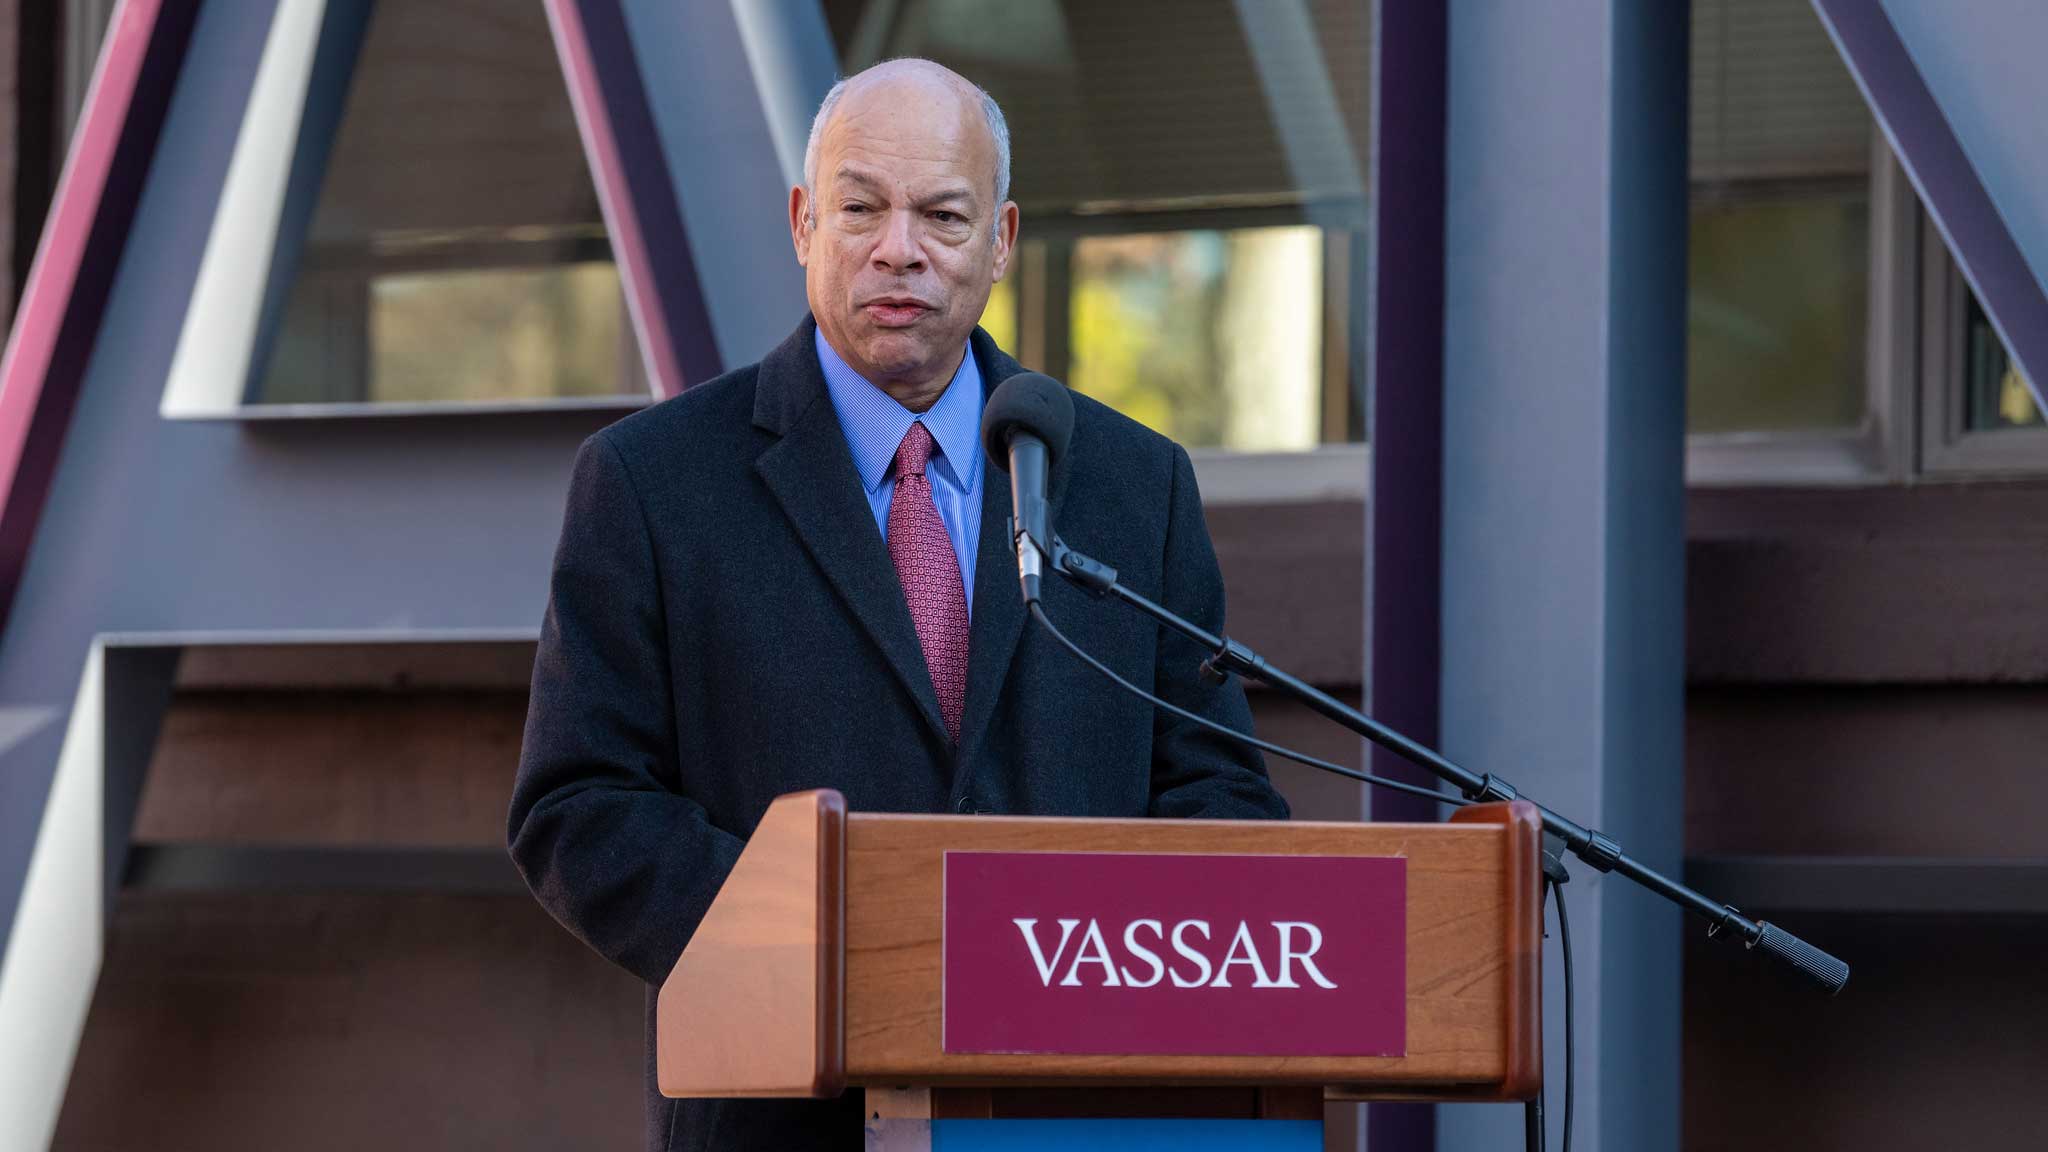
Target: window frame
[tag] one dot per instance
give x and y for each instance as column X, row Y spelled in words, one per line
column 1041, row 274
column 1949, row 449
column 1325, row 473
column 356, row 272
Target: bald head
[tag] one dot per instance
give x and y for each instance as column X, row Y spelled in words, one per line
column 912, row 78
column 903, row 222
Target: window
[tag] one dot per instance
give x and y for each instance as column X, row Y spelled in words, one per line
column 1977, row 415
column 1212, row 335
column 1830, row 338
column 1776, row 309
column 1191, row 175
column 1792, row 260
column 1994, row 394
column 1177, row 159
column 437, row 239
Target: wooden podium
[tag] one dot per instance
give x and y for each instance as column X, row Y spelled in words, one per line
column 822, row 965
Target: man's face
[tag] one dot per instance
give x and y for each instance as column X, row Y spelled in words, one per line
column 902, row 239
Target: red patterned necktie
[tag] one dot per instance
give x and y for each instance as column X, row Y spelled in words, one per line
column 930, row 574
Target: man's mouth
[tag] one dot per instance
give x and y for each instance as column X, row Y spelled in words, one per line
column 895, row 311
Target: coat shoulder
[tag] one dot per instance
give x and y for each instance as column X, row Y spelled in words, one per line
column 1117, row 442
column 707, row 422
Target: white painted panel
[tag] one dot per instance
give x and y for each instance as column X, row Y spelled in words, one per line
column 211, row 366
column 53, row 954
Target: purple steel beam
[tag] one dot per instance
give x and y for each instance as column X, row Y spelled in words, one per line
column 68, row 286
column 1948, row 183
column 1407, row 397
column 641, row 209
column 1405, row 501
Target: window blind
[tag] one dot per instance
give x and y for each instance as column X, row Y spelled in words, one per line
column 1139, row 102
column 1771, row 98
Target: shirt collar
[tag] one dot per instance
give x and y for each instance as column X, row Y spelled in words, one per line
column 875, row 423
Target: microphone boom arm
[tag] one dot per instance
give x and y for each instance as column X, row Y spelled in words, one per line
column 1598, row 850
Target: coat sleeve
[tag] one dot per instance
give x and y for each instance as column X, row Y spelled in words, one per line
column 1195, row 772
column 598, row 826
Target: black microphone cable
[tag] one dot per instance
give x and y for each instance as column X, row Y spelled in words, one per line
column 1564, row 940
column 1554, row 886
column 1038, row 614
column 1536, row 1124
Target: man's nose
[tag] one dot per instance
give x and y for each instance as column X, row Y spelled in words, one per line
column 900, row 248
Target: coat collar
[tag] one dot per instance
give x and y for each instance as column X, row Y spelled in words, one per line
column 791, row 380
column 810, row 471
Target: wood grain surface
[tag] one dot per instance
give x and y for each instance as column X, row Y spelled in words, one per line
column 1467, row 982
column 752, row 1006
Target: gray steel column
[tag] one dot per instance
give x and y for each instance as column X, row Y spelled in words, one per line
column 789, row 50
column 1563, row 513
column 726, row 87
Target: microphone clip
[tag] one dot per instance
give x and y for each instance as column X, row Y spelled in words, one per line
column 1229, row 657
column 1094, row 577
column 1030, row 559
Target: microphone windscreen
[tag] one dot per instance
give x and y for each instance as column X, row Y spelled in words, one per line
column 1029, row 402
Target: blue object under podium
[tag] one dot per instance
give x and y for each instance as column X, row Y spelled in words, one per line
column 1098, row 1135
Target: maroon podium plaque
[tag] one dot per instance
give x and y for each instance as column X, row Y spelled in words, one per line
column 1164, row 954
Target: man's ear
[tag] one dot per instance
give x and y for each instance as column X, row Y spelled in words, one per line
column 1006, row 236
column 800, row 221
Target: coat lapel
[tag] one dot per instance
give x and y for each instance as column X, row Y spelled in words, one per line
column 810, row 472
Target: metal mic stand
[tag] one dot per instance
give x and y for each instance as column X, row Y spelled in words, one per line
column 1598, row 850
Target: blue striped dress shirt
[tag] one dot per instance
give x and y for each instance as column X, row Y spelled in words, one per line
column 875, row 424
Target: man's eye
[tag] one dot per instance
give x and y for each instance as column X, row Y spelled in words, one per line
column 853, row 209
column 945, row 217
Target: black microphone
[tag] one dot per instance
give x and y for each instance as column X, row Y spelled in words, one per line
column 1027, row 422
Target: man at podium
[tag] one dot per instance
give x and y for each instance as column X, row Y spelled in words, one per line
column 797, row 576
